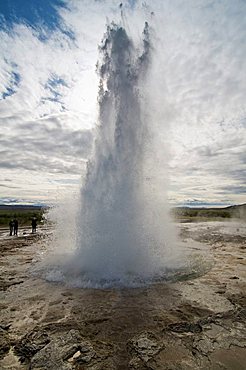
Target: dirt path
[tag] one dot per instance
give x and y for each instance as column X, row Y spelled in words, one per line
column 195, row 323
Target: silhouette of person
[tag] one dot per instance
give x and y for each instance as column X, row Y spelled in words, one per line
column 11, row 227
column 16, row 224
column 34, row 225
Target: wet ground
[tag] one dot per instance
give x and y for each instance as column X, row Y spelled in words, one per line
column 195, row 322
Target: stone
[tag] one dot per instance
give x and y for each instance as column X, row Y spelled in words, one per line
column 62, row 351
column 144, row 346
column 203, row 345
column 30, row 344
column 185, row 327
column 4, row 342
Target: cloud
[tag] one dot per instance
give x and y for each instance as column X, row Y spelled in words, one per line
column 10, row 89
column 31, row 146
column 235, row 189
column 48, row 89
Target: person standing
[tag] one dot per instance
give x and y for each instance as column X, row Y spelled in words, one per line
column 34, row 225
column 16, row 224
column 11, row 227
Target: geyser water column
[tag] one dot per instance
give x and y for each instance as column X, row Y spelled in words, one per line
column 123, row 230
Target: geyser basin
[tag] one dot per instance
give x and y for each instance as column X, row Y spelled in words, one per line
column 123, row 232
column 195, row 262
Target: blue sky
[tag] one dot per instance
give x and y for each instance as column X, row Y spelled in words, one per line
column 48, row 94
column 35, row 13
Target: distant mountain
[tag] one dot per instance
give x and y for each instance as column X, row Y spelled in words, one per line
column 237, row 206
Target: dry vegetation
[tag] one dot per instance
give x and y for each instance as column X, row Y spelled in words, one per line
column 187, row 214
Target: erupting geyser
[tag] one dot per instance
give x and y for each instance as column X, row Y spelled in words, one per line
column 123, row 233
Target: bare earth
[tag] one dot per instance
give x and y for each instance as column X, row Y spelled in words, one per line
column 195, row 322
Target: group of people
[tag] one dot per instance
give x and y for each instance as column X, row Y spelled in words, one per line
column 13, row 226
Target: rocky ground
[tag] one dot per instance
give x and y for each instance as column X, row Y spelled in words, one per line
column 195, row 322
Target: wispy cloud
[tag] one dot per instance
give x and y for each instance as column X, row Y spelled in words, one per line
column 45, row 145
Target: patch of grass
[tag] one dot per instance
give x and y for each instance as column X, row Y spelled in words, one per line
column 24, row 216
